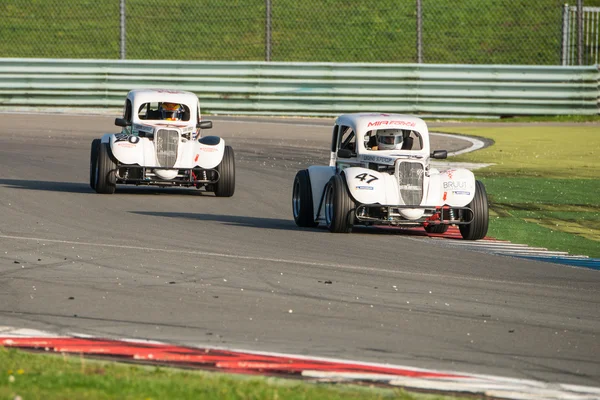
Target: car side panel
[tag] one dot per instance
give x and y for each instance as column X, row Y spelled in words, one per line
column 367, row 186
column 129, row 149
column 194, row 153
column 319, row 176
column 454, row 187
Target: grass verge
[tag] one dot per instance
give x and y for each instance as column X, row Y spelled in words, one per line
column 28, row 375
column 544, row 184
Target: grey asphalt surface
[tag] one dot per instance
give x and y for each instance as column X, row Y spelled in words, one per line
column 183, row 267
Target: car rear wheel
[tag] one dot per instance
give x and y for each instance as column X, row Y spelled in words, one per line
column 94, row 162
column 225, row 186
column 436, row 228
column 105, row 171
column 478, row 228
column 339, row 207
column 302, row 202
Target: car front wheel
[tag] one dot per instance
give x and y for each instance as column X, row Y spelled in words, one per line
column 339, row 207
column 302, row 202
column 436, row 228
column 478, row 227
column 94, row 162
column 225, row 186
column 105, row 171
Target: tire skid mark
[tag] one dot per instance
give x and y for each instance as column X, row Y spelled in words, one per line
column 452, row 233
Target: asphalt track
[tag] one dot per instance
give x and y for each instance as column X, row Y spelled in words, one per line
column 186, row 268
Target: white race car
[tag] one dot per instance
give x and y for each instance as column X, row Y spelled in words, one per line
column 379, row 173
column 161, row 144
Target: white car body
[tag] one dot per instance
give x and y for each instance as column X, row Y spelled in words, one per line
column 152, row 151
column 388, row 187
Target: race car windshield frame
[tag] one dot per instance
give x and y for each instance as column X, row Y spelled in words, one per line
column 151, row 111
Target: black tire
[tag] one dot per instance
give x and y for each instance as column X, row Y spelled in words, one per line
column 94, row 162
column 225, row 186
column 478, row 228
column 302, row 202
column 339, row 206
column 105, row 171
column 436, row 228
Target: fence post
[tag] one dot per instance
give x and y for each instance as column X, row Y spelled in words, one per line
column 123, row 30
column 419, row 32
column 268, row 31
column 565, row 35
column 579, row 32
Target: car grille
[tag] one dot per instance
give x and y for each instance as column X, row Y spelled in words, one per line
column 166, row 141
column 410, row 182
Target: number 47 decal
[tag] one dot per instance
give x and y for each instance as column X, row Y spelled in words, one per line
column 364, row 176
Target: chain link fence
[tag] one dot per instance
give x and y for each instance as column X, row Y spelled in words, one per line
column 590, row 36
column 372, row 31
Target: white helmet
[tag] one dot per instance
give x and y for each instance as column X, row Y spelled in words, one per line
column 389, row 139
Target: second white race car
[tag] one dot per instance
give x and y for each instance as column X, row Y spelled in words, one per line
column 161, row 144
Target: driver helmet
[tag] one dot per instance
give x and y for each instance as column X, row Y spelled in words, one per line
column 389, row 139
column 171, row 111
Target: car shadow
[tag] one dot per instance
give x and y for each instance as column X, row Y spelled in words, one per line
column 68, row 187
column 79, row 187
column 234, row 220
column 285, row 224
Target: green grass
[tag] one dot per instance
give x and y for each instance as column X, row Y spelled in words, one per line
column 537, row 150
column 559, row 214
column 374, row 31
column 49, row 377
column 552, row 119
column 543, row 189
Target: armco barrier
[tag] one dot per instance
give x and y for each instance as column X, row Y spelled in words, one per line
column 308, row 88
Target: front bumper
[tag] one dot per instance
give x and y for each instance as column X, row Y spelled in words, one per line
column 138, row 175
column 370, row 214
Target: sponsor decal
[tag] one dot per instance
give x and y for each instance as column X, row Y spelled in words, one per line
column 124, row 144
column 143, row 128
column 366, row 177
column 450, row 172
column 126, row 137
column 392, row 122
column 378, row 159
column 208, row 149
column 455, row 185
column 462, row 192
column 122, row 137
column 364, row 187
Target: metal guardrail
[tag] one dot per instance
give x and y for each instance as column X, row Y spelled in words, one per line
column 317, row 89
